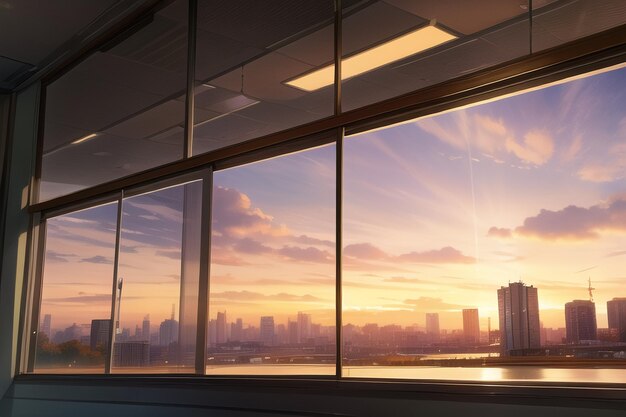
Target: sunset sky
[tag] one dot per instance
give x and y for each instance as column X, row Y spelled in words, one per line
column 438, row 214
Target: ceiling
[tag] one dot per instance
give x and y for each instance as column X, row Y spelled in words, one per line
column 34, row 33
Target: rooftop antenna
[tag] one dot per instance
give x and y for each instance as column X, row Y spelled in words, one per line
column 590, row 288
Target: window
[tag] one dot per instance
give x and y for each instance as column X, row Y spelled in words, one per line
column 272, row 299
column 485, row 243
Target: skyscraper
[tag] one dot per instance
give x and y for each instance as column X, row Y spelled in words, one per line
column 518, row 311
column 616, row 311
column 580, row 321
column 432, row 325
column 304, row 327
column 266, row 335
column 46, row 326
column 236, row 330
column 471, row 327
column 220, row 330
column 145, row 328
column 168, row 332
column 99, row 335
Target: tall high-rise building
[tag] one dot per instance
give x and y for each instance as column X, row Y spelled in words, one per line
column 46, row 326
column 471, row 326
column 145, row 328
column 236, row 330
column 616, row 311
column 99, row 335
column 518, row 311
column 432, row 325
column 220, row 329
column 292, row 332
column 580, row 321
column 304, row 327
column 168, row 332
column 266, row 330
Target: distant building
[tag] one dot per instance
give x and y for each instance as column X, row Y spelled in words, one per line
column 608, row 335
column 168, row 332
column 304, row 327
column 616, row 311
column 518, row 311
column 220, row 330
column 292, row 331
column 145, row 328
column 471, row 326
column 432, row 325
column 74, row 332
column 46, row 326
column 212, row 336
column 236, row 331
column 266, row 330
column 99, row 334
column 580, row 321
column 131, row 354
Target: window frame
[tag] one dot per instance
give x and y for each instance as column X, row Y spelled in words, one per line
column 574, row 58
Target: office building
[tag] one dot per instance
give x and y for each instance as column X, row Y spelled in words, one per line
column 518, row 312
column 580, row 321
column 134, row 353
column 99, row 335
column 168, row 332
column 266, row 330
column 221, row 333
column 616, row 312
column 304, row 327
column 432, row 325
column 471, row 326
column 145, row 328
column 46, row 326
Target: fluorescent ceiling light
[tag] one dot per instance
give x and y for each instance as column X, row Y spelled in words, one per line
column 84, row 138
column 393, row 50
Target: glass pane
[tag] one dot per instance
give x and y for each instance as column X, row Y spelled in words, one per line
column 157, row 290
column 120, row 111
column 559, row 21
column 247, row 52
column 393, row 47
column 486, row 243
column 272, row 298
column 75, row 314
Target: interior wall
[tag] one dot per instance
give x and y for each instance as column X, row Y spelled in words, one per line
column 15, row 226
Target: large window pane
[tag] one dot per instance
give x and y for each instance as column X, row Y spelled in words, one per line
column 157, row 289
column 247, row 52
column 486, row 243
column 121, row 110
column 272, row 298
column 75, row 313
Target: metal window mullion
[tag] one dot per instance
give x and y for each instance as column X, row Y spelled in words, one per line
column 118, row 234
column 338, row 39
column 191, row 75
column 33, row 329
column 205, row 270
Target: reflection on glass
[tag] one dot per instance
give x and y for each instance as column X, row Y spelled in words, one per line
column 121, row 110
column 560, row 21
column 272, row 298
column 246, row 55
column 75, row 314
column 157, row 289
column 491, row 237
column 480, row 34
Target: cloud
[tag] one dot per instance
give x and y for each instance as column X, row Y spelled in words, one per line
column 81, row 298
column 251, row 246
column 537, row 147
column 433, row 304
column 308, row 240
column 255, row 296
column 310, row 254
column 611, row 167
column 447, row 255
column 499, row 232
column 52, row 256
column 490, row 136
column 98, row 259
column 364, row 251
column 403, row 280
column 234, row 216
column 616, row 253
column 128, row 249
column 576, row 223
column 171, row 254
